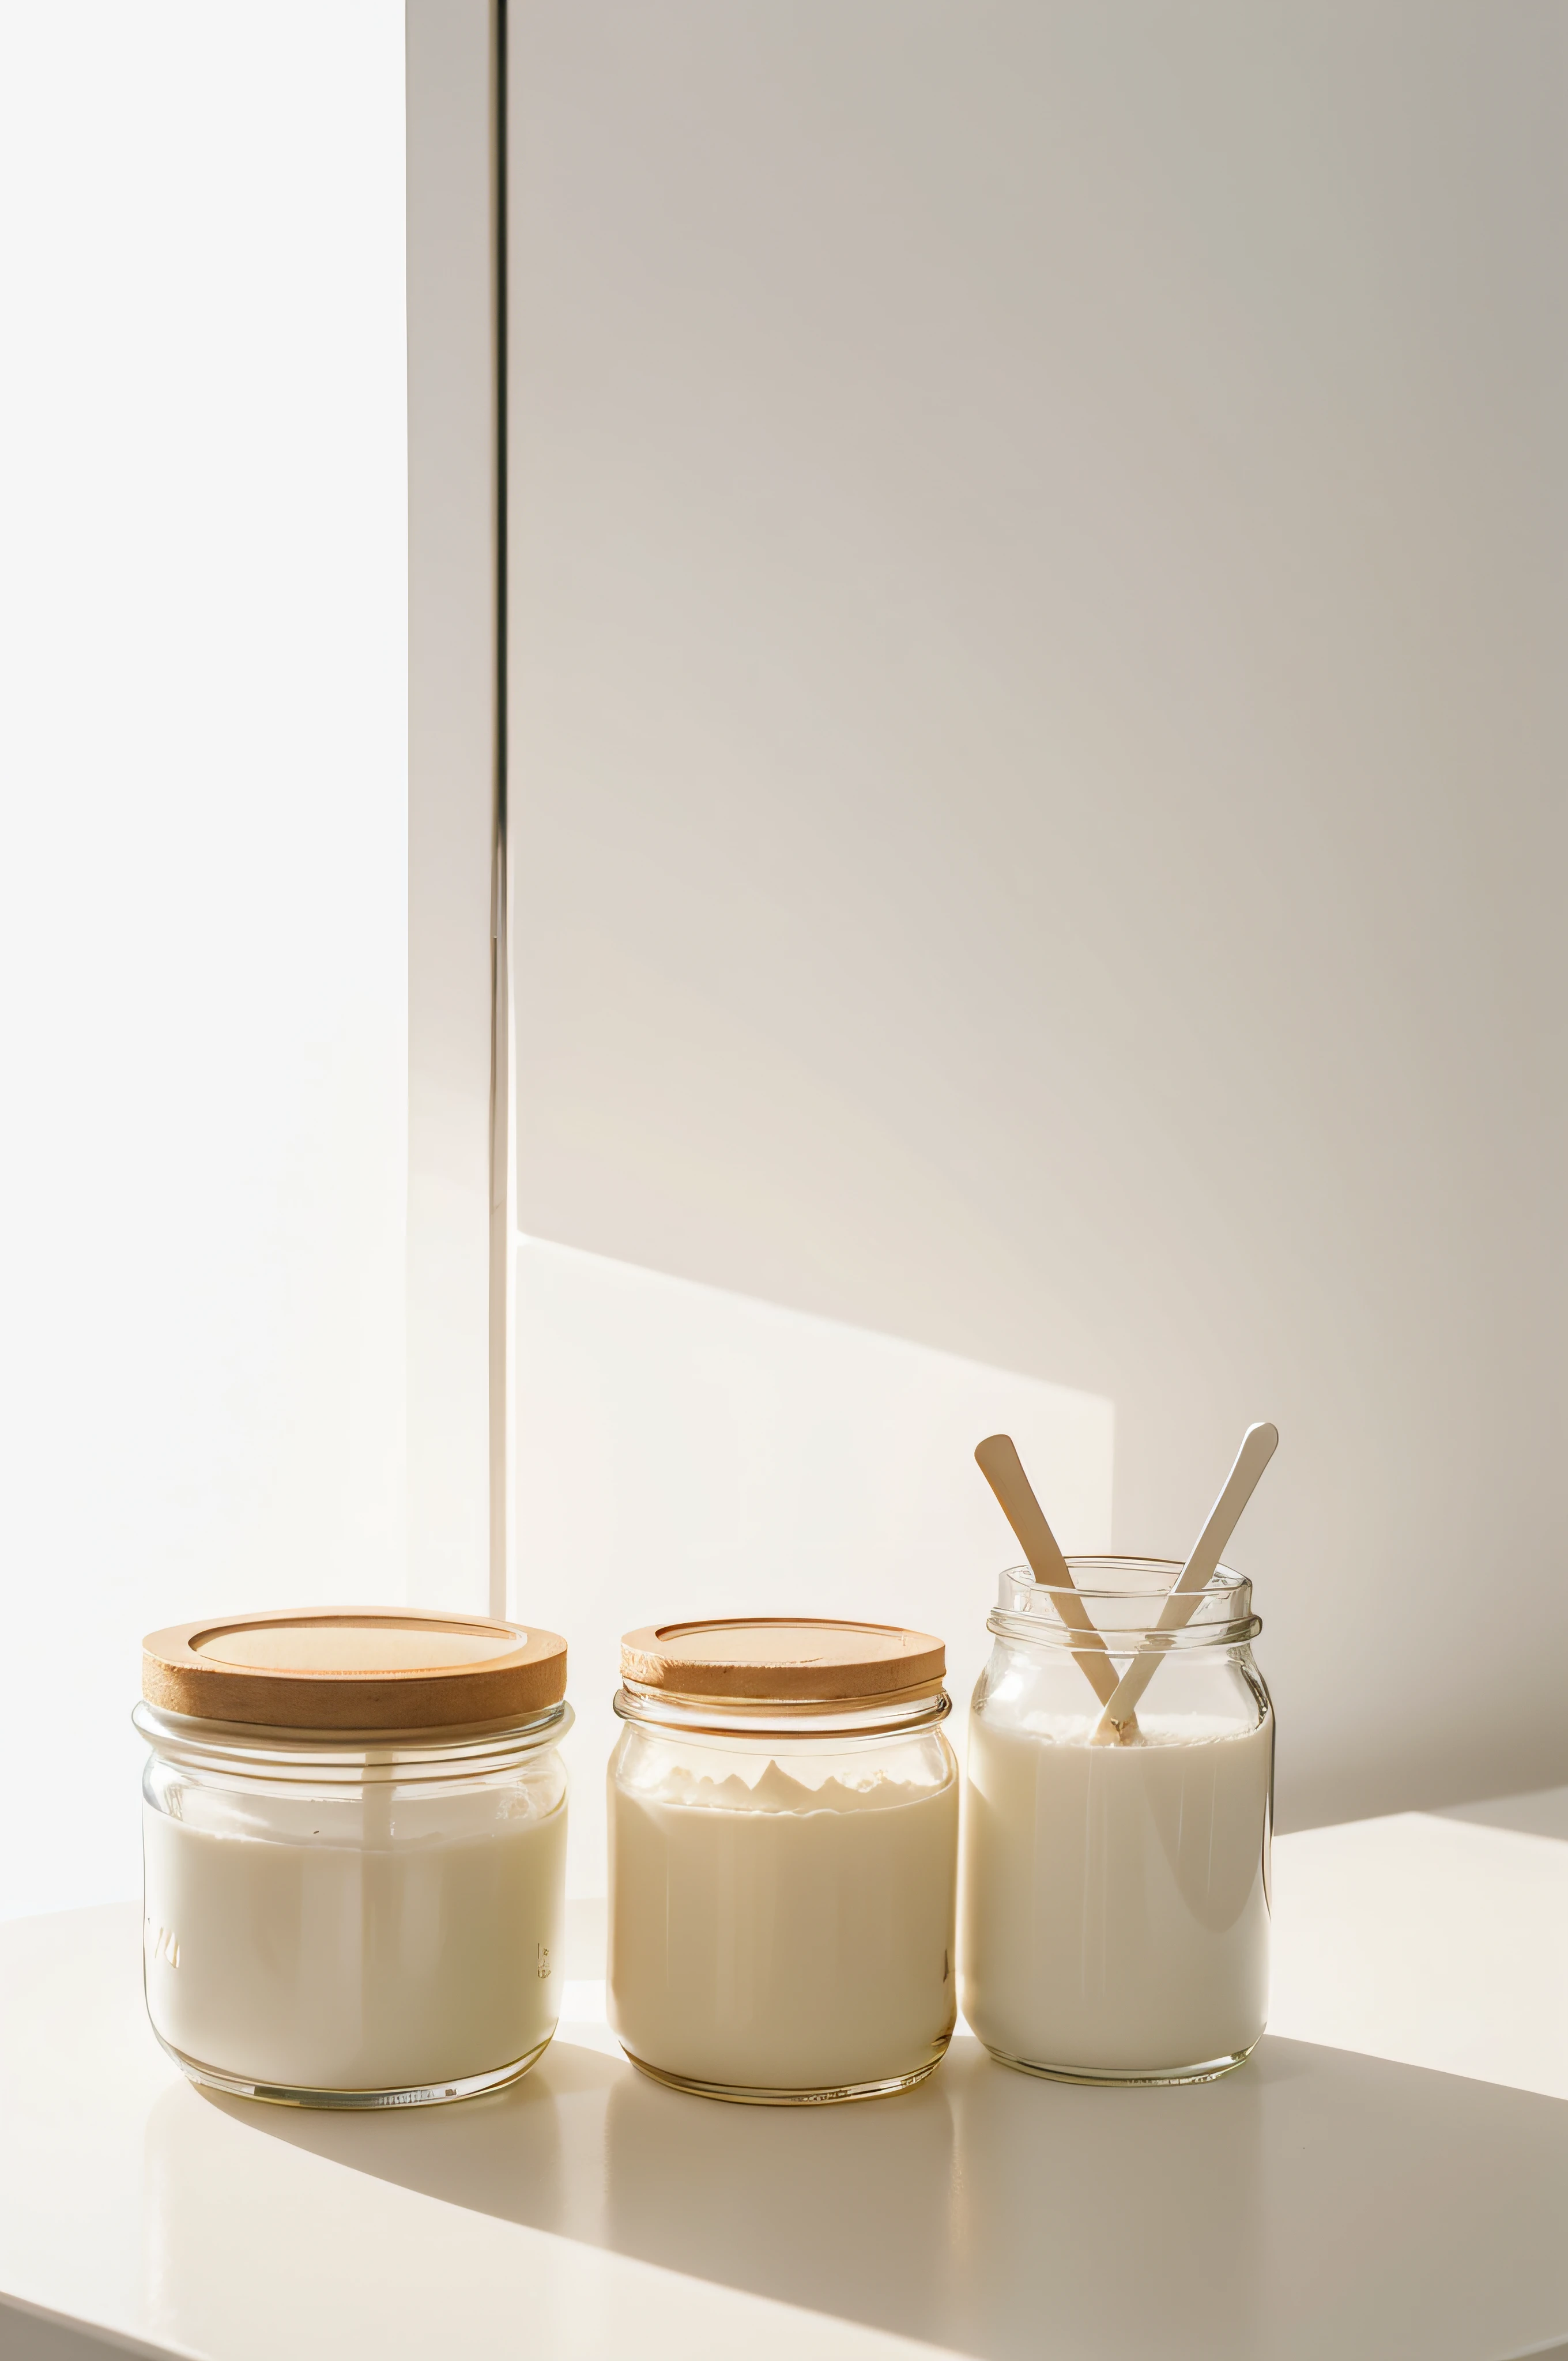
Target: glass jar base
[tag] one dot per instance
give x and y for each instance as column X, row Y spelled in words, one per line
column 415, row 2094
column 1127, row 2077
column 832, row 2095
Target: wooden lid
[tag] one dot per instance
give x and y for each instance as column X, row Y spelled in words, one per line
column 361, row 1668
column 769, row 1660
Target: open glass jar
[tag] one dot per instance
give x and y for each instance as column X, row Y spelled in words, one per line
column 1116, row 1888
column 354, row 1847
column 782, row 1847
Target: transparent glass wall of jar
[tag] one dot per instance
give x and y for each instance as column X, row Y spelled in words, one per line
column 340, row 1926
column 1116, row 1908
column 782, row 1892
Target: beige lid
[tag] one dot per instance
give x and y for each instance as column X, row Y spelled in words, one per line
column 353, row 1668
column 768, row 1659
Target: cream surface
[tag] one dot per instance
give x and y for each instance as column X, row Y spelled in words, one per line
column 382, row 1966
column 1115, row 1898
column 781, row 1936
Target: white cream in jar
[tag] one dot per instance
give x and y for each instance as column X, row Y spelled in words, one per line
column 353, row 1852
column 1115, row 1916
column 783, row 1833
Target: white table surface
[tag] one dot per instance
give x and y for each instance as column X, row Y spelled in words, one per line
column 1389, row 2177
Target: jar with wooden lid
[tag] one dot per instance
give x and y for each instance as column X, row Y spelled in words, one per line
column 1117, row 1910
column 783, row 1816
column 354, row 1848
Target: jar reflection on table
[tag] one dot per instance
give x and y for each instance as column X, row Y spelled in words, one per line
column 847, row 2210
column 1160, row 2210
column 1116, row 1895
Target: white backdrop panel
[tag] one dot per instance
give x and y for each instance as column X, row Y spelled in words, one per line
column 1039, row 607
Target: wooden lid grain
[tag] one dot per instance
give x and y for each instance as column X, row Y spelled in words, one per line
column 783, row 1660
column 361, row 1668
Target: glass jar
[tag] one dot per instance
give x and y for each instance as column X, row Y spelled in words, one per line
column 783, row 1816
column 353, row 1885
column 1117, row 1890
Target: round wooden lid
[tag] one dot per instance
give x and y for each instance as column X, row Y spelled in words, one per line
column 361, row 1668
column 777, row 1660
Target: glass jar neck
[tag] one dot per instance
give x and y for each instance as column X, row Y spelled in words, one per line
column 1124, row 1598
column 774, row 1719
column 355, row 1758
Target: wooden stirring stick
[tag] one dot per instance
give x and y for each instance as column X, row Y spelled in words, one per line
column 1257, row 1449
column 998, row 1461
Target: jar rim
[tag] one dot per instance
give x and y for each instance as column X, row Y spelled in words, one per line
column 259, row 1750
column 1223, row 1579
column 898, row 1713
column 1124, row 1612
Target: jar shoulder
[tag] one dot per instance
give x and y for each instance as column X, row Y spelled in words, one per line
column 1197, row 1691
column 391, row 1812
column 769, row 1770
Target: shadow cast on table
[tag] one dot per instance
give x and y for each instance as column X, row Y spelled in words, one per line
column 1317, row 2203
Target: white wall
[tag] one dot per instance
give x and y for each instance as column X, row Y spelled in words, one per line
column 1037, row 613
column 201, row 859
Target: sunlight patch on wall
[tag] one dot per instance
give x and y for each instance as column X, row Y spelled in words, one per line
column 684, row 1451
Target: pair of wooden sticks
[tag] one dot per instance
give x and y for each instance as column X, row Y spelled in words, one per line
column 997, row 1458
